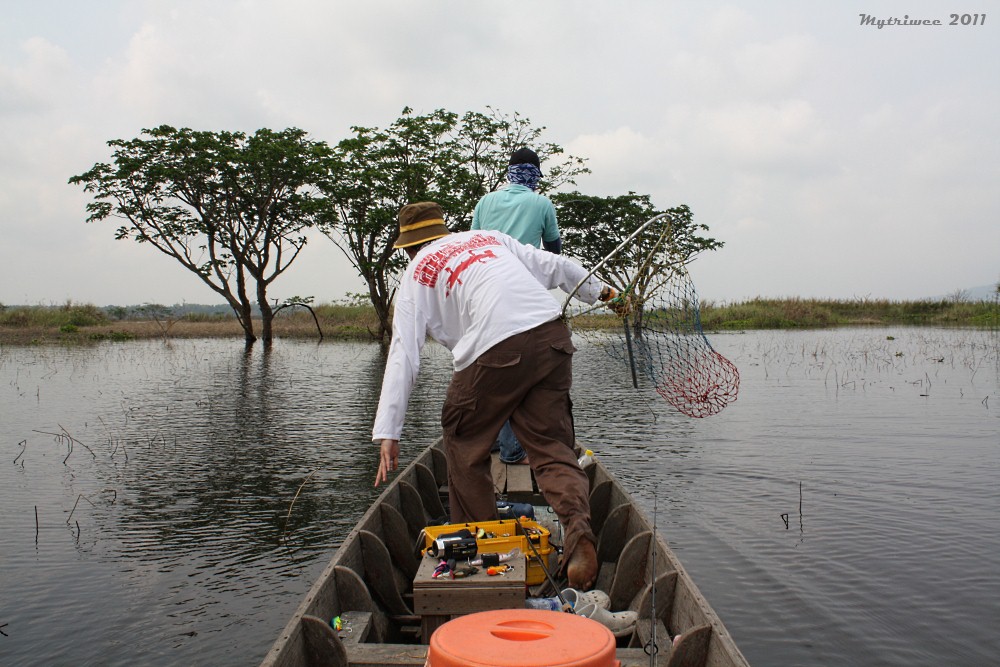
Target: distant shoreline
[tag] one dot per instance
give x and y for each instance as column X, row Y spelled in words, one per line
column 83, row 323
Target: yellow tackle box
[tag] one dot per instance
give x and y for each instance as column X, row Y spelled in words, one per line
column 500, row 537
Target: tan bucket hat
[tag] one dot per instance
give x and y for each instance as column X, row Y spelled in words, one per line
column 419, row 222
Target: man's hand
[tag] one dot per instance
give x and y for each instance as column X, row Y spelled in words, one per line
column 621, row 305
column 615, row 301
column 388, row 460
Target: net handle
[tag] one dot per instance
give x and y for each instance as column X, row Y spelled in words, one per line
column 611, row 254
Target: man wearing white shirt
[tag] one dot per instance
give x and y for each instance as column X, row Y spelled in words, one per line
column 485, row 297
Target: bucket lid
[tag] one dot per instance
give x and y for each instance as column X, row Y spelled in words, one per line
column 522, row 638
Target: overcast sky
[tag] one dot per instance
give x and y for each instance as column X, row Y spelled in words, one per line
column 834, row 159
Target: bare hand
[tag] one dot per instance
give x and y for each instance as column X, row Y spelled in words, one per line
column 388, row 460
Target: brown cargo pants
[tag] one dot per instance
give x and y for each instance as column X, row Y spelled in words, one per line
column 527, row 379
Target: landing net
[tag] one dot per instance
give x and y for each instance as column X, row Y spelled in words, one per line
column 657, row 331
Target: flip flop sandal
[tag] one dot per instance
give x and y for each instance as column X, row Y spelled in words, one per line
column 621, row 623
column 579, row 598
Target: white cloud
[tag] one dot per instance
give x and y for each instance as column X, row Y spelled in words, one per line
column 832, row 160
column 623, row 159
column 784, row 136
column 775, row 67
column 32, row 86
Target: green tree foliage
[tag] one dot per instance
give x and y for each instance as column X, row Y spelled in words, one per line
column 231, row 208
column 592, row 227
column 441, row 156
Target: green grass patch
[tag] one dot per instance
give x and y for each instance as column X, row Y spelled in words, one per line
column 55, row 317
column 807, row 313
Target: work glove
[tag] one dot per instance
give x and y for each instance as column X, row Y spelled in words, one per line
column 616, row 302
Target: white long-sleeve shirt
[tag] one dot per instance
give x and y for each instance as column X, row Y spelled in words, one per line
column 469, row 291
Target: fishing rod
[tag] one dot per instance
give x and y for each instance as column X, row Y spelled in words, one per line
column 566, row 606
column 651, row 648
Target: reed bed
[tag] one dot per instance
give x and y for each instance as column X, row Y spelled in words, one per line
column 797, row 313
column 85, row 323
column 73, row 323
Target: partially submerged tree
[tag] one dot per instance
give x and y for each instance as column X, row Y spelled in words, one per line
column 231, row 208
column 441, row 156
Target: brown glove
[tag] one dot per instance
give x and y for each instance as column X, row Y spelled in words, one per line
column 616, row 302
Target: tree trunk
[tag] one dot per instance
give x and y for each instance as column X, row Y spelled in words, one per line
column 245, row 310
column 267, row 319
column 246, row 319
column 244, row 315
column 381, row 303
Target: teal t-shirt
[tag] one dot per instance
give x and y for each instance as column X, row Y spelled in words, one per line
column 518, row 211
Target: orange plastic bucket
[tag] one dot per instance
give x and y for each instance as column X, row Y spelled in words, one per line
column 522, row 638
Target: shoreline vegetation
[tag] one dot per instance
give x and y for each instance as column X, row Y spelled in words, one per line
column 73, row 323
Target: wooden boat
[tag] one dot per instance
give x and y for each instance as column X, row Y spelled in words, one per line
column 369, row 583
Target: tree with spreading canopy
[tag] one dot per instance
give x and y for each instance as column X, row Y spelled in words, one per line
column 231, row 208
column 593, row 227
column 440, row 156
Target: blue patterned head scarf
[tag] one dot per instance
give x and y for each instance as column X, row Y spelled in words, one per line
column 524, row 174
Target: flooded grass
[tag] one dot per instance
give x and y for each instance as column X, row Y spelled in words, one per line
column 86, row 323
column 75, row 323
column 815, row 313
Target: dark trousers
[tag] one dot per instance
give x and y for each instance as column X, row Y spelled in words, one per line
column 527, row 379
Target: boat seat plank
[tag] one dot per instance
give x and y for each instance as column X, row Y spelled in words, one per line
column 389, row 655
column 630, row 575
column 356, row 627
column 439, row 465
column 611, row 540
column 323, row 646
column 666, row 582
column 519, row 479
column 399, row 541
column 692, row 649
column 353, row 596
column 642, row 635
column 513, row 479
column 427, row 487
column 636, row 657
column 400, row 655
column 600, row 499
column 411, row 506
column 380, row 574
column 498, row 471
column 605, row 576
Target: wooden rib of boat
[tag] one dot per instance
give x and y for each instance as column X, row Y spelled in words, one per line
column 369, row 583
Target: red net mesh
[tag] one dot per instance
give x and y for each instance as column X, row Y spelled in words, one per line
column 700, row 386
column 658, row 333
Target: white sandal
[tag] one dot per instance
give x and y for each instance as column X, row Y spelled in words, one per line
column 621, row 623
column 579, row 598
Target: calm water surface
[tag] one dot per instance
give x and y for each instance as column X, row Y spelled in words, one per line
column 164, row 475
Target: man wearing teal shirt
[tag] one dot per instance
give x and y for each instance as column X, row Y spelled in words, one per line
column 518, row 211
